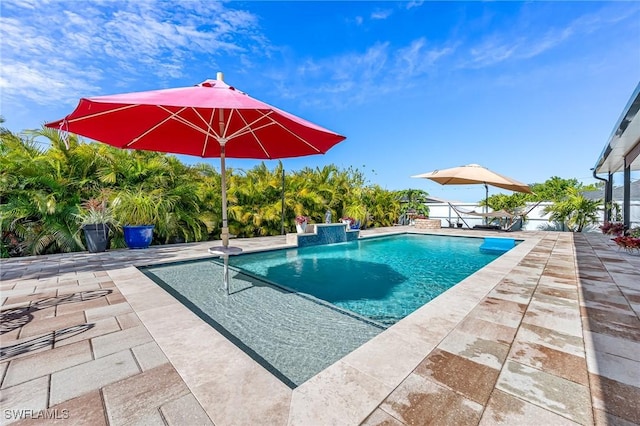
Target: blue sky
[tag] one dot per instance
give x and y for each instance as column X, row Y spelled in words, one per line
column 528, row 89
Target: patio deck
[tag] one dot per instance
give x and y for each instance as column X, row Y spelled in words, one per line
column 547, row 334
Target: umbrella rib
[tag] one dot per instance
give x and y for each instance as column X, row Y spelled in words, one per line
column 247, row 126
column 301, row 139
column 187, row 123
column 206, row 139
column 137, row 138
column 210, row 129
column 97, row 114
column 226, row 125
column 248, row 129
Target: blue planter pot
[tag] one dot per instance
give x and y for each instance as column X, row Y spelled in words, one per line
column 138, row 237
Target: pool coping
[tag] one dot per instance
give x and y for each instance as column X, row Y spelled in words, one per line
column 353, row 387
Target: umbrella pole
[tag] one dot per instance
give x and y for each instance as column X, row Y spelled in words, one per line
column 225, row 273
column 223, row 184
column 225, row 225
column 486, row 202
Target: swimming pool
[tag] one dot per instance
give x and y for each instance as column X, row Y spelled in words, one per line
column 297, row 311
column 382, row 278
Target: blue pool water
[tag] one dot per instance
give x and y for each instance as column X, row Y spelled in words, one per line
column 298, row 311
column 383, row 279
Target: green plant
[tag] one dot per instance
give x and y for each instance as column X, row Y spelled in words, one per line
column 413, row 201
column 574, row 210
column 95, row 211
column 138, row 208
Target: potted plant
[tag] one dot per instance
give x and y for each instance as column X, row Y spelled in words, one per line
column 96, row 219
column 301, row 224
column 139, row 211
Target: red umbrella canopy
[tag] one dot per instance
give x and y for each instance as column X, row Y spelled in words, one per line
column 211, row 119
column 196, row 121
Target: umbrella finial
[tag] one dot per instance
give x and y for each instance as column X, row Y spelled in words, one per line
column 220, row 76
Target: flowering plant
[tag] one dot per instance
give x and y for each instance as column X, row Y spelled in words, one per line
column 612, row 228
column 627, row 243
column 301, row 219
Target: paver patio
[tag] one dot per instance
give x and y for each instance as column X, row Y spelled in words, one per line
column 549, row 333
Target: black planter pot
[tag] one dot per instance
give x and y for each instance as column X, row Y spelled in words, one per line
column 97, row 237
column 139, row 236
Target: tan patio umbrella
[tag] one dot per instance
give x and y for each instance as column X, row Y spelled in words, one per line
column 473, row 174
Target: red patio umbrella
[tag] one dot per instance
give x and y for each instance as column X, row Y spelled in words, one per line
column 211, row 119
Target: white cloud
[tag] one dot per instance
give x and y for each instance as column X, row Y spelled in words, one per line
column 381, row 14
column 416, row 59
column 67, row 43
column 492, row 51
column 353, row 78
column 517, row 43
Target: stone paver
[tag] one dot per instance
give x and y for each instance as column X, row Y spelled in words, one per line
column 546, row 390
column 421, row 401
column 185, row 411
column 82, row 378
column 115, row 342
column 547, row 334
column 85, row 410
column 24, row 369
column 149, row 355
column 18, row 402
column 152, row 389
column 509, row 410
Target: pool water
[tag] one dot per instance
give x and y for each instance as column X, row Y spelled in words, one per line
column 383, row 278
column 297, row 311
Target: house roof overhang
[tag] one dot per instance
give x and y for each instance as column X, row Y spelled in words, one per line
column 624, row 140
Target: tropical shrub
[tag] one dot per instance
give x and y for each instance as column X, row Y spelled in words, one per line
column 574, row 210
column 413, row 200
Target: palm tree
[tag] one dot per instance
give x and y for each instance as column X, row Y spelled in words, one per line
column 574, row 210
column 413, row 200
column 255, row 205
column 383, row 206
column 41, row 192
